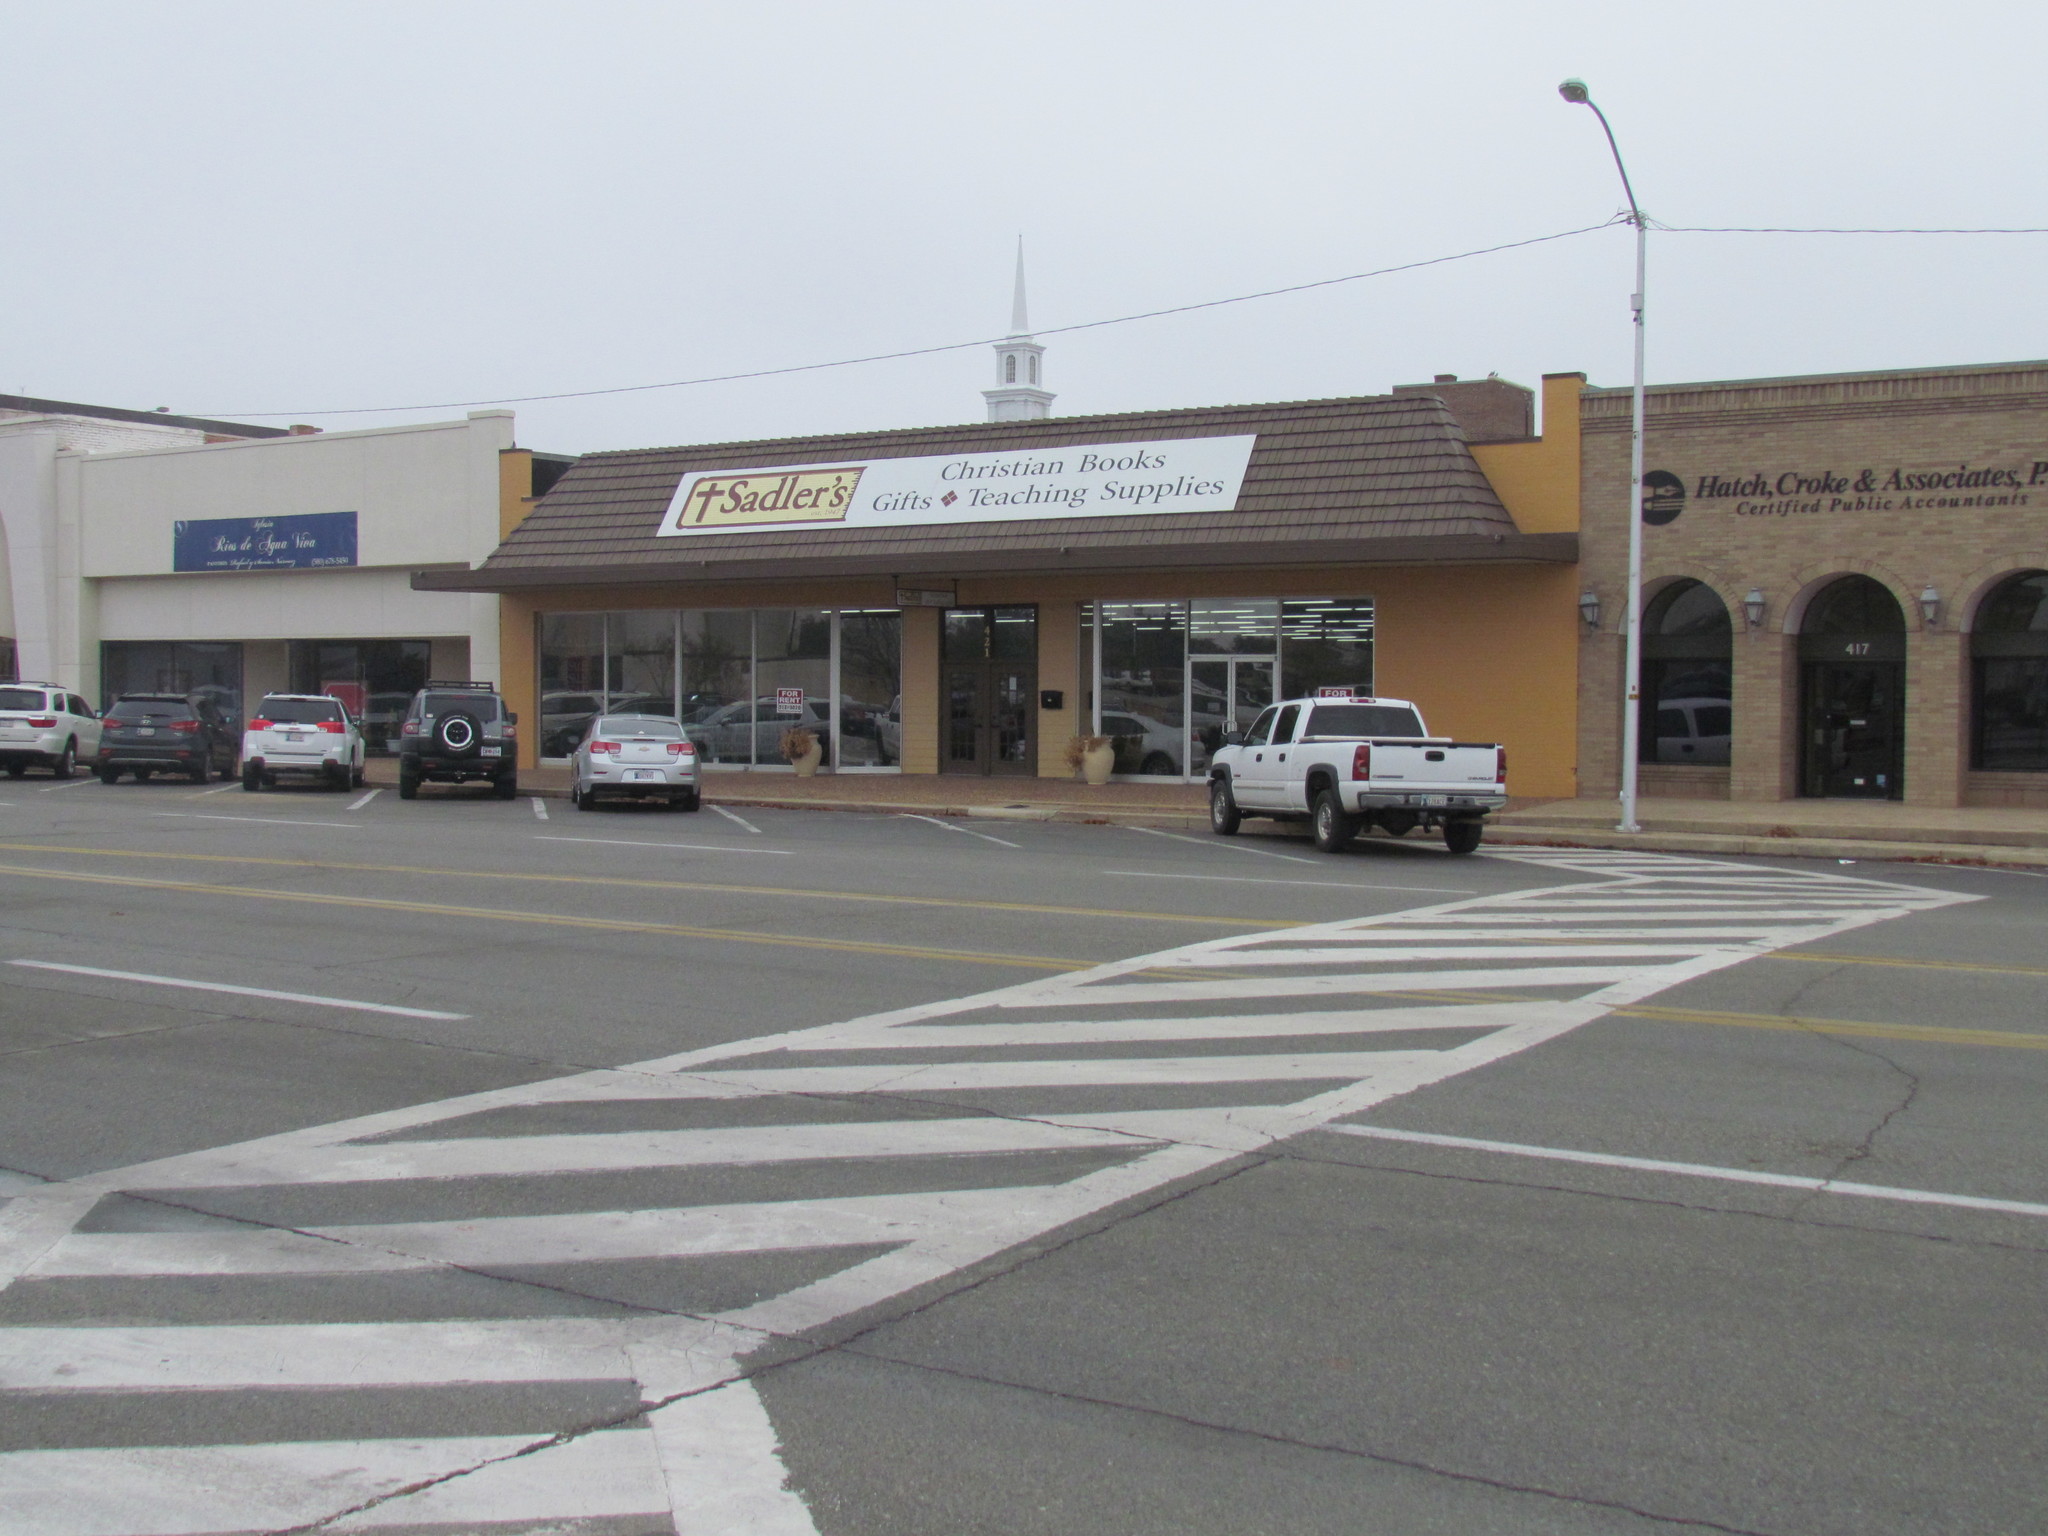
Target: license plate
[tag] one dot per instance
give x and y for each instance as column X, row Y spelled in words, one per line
column 1432, row 799
column 294, row 739
column 494, row 751
column 145, row 730
column 644, row 775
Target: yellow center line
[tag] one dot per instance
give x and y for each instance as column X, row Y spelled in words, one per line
column 1822, row 957
column 1938, row 1034
column 625, row 883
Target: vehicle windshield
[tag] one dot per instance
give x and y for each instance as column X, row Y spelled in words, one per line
column 298, row 711
column 150, row 709
column 1348, row 720
column 480, row 704
column 637, row 725
column 21, row 698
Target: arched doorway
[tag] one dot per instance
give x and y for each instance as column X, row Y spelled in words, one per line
column 1688, row 677
column 2009, row 678
column 1852, row 652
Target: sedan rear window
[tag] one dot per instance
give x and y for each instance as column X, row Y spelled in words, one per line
column 21, row 698
column 297, row 711
column 1351, row 720
column 637, row 725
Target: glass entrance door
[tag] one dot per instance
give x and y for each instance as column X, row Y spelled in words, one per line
column 1224, row 695
column 989, row 682
column 1854, row 744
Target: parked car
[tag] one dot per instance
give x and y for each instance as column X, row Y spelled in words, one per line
column 742, row 732
column 302, row 734
column 44, row 726
column 1143, row 745
column 455, row 733
column 564, row 717
column 1347, row 763
column 150, row 733
column 634, row 757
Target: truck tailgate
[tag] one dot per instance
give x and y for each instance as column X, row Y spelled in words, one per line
column 1421, row 767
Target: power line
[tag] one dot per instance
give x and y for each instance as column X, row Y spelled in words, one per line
column 1680, row 229
column 951, row 346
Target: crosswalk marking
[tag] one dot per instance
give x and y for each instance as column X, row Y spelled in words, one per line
column 1029, row 1107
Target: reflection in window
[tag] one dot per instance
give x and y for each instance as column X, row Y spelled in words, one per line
column 2009, row 665
column 1325, row 642
column 792, row 678
column 1226, row 626
column 212, row 669
column 377, row 678
column 1688, row 677
column 870, row 697
column 1144, row 660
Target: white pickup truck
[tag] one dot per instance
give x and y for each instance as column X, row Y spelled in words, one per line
column 1348, row 762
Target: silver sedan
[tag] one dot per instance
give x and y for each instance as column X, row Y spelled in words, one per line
column 635, row 757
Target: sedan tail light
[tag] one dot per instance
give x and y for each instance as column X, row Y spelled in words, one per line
column 187, row 726
column 604, row 746
column 1500, row 765
column 259, row 725
column 42, row 722
column 681, row 749
column 333, row 727
column 1361, row 761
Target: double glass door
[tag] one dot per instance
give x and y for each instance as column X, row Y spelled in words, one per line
column 988, row 675
column 1225, row 694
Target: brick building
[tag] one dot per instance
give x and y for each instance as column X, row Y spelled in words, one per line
column 1846, row 582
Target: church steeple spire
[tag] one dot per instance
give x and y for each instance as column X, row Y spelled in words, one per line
column 1018, row 396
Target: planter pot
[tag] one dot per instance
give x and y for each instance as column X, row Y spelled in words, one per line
column 1098, row 764
column 807, row 765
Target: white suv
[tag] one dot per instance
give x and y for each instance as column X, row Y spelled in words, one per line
column 43, row 725
column 302, row 733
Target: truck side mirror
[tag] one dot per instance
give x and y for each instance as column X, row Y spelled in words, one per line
column 1234, row 739
column 511, row 718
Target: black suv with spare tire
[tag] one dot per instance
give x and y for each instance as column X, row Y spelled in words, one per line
column 455, row 733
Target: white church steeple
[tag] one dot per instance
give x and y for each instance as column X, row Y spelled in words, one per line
column 1018, row 396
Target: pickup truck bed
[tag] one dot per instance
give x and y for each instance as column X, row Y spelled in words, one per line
column 1348, row 764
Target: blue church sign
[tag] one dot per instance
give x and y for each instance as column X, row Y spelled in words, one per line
column 264, row 543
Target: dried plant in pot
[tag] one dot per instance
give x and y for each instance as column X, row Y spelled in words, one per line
column 1093, row 757
column 801, row 748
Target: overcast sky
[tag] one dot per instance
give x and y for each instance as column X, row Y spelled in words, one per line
column 308, row 208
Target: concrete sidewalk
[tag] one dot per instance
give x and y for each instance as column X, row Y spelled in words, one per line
column 1822, row 829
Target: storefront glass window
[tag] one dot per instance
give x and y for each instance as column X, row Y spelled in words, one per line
column 210, row 668
column 1688, row 678
column 717, row 679
column 376, row 679
column 1325, row 642
column 2010, row 674
column 640, row 662
column 792, row 678
column 1144, row 671
column 1233, row 626
column 571, row 679
column 870, row 700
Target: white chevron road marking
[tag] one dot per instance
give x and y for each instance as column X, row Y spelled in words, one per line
column 704, row 1457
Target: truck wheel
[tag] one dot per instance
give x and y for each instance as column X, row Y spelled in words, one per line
column 1462, row 836
column 408, row 785
column 252, row 777
column 1224, row 816
column 1334, row 826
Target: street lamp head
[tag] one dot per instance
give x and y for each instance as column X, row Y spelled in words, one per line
column 1575, row 92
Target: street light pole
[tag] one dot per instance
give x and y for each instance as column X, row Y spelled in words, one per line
column 1575, row 91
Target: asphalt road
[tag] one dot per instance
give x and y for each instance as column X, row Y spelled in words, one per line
column 980, row 1176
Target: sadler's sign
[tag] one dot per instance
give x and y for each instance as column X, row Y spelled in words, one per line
column 1183, row 474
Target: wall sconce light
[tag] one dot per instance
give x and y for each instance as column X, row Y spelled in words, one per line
column 1753, row 607
column 1930, row 606
column 1589, row 608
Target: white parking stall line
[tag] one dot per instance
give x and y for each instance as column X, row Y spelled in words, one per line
column 1700, row 1171
column 627, row 842
column 222, row 986
column 217, row 790
column 948, row 826
column 267, row 821
column 357, row 805
column 1213, row 842
column 737, row 820
column 66, row 784
column 540, row 808
column 1334, row 885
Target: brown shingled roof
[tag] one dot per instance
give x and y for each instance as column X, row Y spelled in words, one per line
column 1377, row 479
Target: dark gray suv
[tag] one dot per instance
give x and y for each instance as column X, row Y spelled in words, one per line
column 455, row 733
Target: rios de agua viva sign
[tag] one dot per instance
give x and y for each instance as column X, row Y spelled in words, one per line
column 296, row 543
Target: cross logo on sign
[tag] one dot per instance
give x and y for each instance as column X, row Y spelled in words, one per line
column 789, row 701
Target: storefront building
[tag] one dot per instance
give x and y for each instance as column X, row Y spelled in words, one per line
column 967, row 600
column 1846, row 587
column 149, row 553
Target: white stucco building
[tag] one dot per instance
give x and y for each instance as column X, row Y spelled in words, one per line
column 144, row 551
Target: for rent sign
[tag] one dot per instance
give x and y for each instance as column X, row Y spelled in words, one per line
column 1188, row 474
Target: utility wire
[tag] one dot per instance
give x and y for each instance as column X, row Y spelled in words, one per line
column 953, row 346
column 1681, row 229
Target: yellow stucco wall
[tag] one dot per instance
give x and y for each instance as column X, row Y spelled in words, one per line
column 1538, row 480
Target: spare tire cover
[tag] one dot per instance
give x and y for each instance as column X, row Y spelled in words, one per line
column 458, row 734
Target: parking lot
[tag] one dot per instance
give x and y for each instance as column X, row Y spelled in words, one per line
column 998, row 1176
